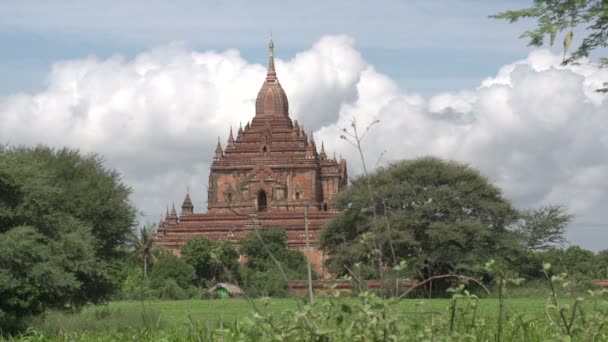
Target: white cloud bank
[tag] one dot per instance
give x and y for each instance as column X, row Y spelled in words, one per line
column 536, row 129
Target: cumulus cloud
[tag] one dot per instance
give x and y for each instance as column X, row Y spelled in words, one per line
column 536, row 129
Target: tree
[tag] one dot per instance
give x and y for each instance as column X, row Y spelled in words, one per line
column 557, row 16
column 543, row 228
column 171, row 276
column 444, row 216
column 601, row 264
column 64, row 218
column 143, row 245
column 271, row 242
column 261, row 275
column 573, row 260
column 212, row 260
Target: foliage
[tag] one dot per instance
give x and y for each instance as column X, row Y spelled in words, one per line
column 574, row 260
column 266, row 283
column 582, row 265
column 37, row 272
column 91, row 193
column 63, row 220
column 136, row 286
column 444, row 216
column 262, row 275
column 171, row 277
column 543, row 228
column 260, row 247
column 557, row 16
column 212, row 260
column 142, row 244
column 463, row 317
column 601, row 265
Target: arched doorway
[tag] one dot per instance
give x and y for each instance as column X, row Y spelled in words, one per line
column 262, row 201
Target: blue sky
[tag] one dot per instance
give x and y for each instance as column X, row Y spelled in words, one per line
column 428, row 46
column 151, row 85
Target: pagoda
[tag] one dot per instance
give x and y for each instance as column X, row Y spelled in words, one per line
column 264, row 177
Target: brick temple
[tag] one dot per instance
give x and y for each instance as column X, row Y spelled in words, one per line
column 263, row 178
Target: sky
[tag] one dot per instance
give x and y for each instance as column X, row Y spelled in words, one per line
column 150, row 85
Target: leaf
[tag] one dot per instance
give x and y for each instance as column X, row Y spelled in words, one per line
column 552, row 34
column 568, row 41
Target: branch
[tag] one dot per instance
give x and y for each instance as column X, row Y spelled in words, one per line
column 443, row 276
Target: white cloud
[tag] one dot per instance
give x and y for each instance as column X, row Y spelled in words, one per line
column 537, row 129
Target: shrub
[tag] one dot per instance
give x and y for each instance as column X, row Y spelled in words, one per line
column 168, row 266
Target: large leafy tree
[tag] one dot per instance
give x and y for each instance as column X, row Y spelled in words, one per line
column 443, row 215
column 563, row 16
column 63, row 220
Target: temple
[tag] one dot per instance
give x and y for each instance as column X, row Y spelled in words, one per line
column 263, row 178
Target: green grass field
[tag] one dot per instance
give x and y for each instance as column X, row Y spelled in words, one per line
column 195, row 320
column 171, row 315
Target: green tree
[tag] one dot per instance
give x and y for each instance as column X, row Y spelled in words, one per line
column 271, row 242
column 443, row 215
column 71, row 216
column 171, row 277
column 261, row 275
column 543, row 228
column 212, row 260
column 574, row 260
column 601, row 265
column 558, row 16
column 142, row 244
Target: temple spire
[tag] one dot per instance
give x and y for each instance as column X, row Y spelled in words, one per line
column 322, row 154
column 271, row 74
column 187, row 207
column 219, row 153
column 230, row 140
column 173, row 214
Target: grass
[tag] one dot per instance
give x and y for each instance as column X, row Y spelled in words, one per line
column 161, row 313
column 199, row 320
column 168, row 315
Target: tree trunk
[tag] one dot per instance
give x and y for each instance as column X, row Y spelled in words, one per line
column 145, row 265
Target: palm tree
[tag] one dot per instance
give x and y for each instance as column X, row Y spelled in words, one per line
column 142, row 244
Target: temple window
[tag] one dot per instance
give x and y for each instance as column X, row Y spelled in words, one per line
column 262, row 201
column 297, row 195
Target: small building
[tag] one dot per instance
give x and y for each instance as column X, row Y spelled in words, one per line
column 225, row 290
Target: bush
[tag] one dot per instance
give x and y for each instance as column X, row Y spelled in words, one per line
column 168, row 266
column 136, row 286
column 262, row 276
column 212, row 260
column 169, row 289
column 269, row 283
